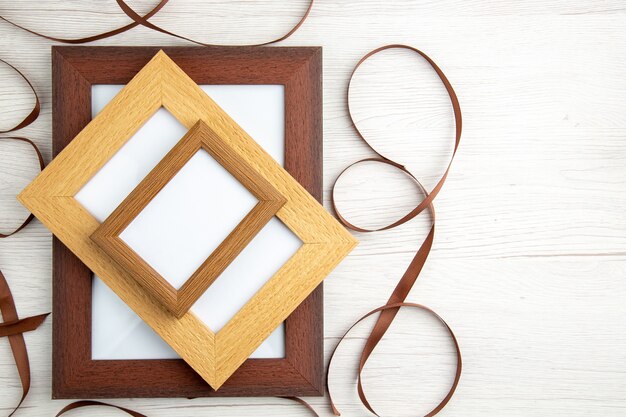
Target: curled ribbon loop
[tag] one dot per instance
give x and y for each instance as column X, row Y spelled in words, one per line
column 31, row 117
column 396, row 306
column 388, row 312
column 91, row 38
column 383, row 159
column 34, row 113
column 41, row 166
column 143, row 21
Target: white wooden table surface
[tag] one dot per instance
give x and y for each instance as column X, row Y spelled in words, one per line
column 529, row 262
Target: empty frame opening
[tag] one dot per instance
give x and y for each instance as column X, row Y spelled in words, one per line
column 189, row 218
column 117, row 333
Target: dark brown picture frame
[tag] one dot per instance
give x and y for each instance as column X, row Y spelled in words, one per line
column 179, row 301
column 74, row 373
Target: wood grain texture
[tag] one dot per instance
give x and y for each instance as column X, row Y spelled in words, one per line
column 50, row 198
column 295, row 349
column 529, row 259
column 179, row 301
column 75, row 374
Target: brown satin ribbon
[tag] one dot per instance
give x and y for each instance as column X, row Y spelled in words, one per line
column 143, row 21
column 13, row 327
column 31, row 117
column 397, row 299
column 34, row 113
column 82, row 404
column 91, row 38
column 41, row 166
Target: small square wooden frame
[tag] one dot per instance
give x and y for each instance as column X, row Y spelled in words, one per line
column 213, row 356
column 107, row 235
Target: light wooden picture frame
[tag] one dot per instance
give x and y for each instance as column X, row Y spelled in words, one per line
column 214, row 356
column 178, row 301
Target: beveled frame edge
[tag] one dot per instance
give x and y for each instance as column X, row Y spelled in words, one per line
column 107, row 235
column 75, row 373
